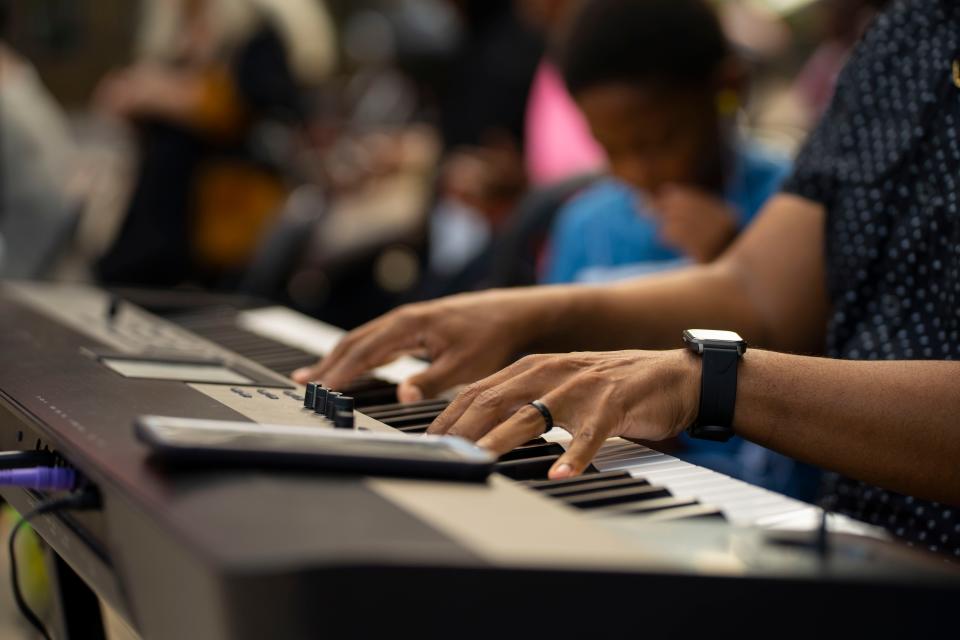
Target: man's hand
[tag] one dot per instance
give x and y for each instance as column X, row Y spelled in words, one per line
column 649, row 395
column 697, row 223
column 465, row 337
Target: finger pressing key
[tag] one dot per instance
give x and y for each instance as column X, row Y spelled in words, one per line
column 587, row 440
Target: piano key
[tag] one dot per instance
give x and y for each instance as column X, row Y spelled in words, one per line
column 693, row 512
column 568, row 482
column 650, row 506
column 383, row 416
column 666, row 462
column 527, row 469
column 416, row 428
column 376, row 410
column 531, row 468
column 583, row 489
column 625, row 453
column 411, row 419
column 533, row 451
column 617, row 496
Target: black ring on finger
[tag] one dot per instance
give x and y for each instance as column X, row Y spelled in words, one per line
column 545, row 412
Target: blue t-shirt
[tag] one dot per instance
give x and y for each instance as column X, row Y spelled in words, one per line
column 601, row 234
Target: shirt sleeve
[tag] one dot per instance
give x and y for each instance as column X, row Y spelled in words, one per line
column 832, row 144
column 811, row 177
column 864, row 136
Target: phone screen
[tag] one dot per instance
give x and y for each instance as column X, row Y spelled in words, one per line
column 185, row 433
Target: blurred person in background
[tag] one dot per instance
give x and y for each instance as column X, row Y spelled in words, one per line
column 661, row 89
column 207, row 73
column 482, row 115
column 39, row 196
column 558, row 154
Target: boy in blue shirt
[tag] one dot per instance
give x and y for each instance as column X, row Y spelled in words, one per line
column 660, row 89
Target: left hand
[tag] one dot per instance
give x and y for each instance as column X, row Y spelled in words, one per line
column 697, row 223
column 648, row 395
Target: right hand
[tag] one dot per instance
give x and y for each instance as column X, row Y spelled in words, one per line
column 466, row 337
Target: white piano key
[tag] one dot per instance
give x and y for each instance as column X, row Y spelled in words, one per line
column 297, row 330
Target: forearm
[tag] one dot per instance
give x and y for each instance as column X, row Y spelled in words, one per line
column 769, row 287
column 652, row 312
column 894, row 424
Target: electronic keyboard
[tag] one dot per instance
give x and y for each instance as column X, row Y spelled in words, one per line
column 645, row 541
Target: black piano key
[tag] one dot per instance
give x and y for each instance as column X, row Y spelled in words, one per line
column 392, row 406
column 568, row 482
column 595, row 487
column 646, row 507
column 412, row 419
column 617, row 496
column 527, row 469
column 374, row 396
column 694, row 512
column 533, row 451
column 367, row 384
column 401, row 411
column 530, row 468
column 417, row 428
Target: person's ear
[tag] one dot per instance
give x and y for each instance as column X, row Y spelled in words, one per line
column 730, row 86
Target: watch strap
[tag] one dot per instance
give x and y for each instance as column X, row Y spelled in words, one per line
column 718, row 394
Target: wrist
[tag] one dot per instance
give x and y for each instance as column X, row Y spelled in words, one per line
column 719, row 352
column 687, row 368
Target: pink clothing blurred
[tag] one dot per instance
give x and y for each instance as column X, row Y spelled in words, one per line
column 816, row 81
column 558, row 142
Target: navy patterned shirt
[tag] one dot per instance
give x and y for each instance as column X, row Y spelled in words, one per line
column 885, row 163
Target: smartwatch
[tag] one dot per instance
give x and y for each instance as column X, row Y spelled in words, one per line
column 721, row 352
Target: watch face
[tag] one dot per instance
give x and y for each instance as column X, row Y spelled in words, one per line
column 714, row 335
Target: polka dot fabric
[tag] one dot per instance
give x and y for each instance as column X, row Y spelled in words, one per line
column 885, row 163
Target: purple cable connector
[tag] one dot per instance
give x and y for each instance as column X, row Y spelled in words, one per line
column 40, row 478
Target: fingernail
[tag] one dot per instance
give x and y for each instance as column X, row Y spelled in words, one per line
column 561, row 472
column 409, row 393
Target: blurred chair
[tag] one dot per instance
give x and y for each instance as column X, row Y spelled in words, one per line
column 511, row 259
column 517, row 249
column 283, row 245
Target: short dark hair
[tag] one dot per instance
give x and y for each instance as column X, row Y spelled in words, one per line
column 674, row 43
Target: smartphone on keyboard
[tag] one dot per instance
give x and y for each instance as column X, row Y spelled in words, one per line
column 220, row 442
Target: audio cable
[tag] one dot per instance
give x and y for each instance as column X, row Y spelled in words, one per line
column 13, row 472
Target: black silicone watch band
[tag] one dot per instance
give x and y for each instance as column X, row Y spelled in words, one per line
column 718, row 393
